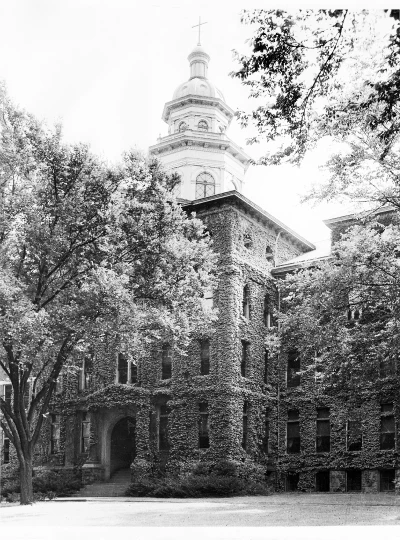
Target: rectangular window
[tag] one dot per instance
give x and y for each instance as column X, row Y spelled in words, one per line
column 387, row 480
column 204, row 440
column 322, row 481
column 387, row 367
column 265, row 445
column 245, row 425
column 55, row 434
column 205, row 357
column 244, row 364
column 323, row 442
column 85, row 374
column 166, row 361
column 388, row 431
column 353, row 480
column 122, row 368
column 246, row 302
column 133, row 375
column 292, row 481
column 354, row 435
column 293, row 432
column 293, row 369
column 85, row 433
column 208, row 299
column 266, row 361
column 8, row 394
column 163, row 440
column 6, row 451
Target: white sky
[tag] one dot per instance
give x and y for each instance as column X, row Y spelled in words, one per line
column 105, row 68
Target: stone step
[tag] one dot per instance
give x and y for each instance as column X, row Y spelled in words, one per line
column 115, row 487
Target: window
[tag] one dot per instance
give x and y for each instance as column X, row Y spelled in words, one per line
column 387, row 439
column 266, row 361
column 127, row 370
column 202, row 125
column 387, row 367
column 246, row 302
column 292, row 481
column 163, row 440
column 204, row 441
column 166, row 361
column 244, row 364
column 268, row 317
column 265, row 444
column 322, row 481
column 85, row 433
column 59, row 385
column 387, row 480
column 293, row 432
column 85, row 374
column 247, row 241
column 182, row 126
column 323, row 441
column 122, row 368
column 205, row 185
column 293, row 369
column 269, row 254
column 245, row 425
column 6, row 451
column 8, row 394
column 354, row 435
column 353, row 313
column 55, row 434
column 205, row 357
column 353, row 480
column 208, row 299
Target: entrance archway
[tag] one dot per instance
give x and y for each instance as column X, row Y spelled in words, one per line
column 123, row 444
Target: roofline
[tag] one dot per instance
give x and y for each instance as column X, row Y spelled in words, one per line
column 286, row 268
column 357, row 216
column 244, row 200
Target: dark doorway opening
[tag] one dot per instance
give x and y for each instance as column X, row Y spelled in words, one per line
column 322, row 481
column 123, row 444
column 354, row 480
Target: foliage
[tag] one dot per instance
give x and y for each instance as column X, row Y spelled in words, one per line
column 46, row 484
column 88, row 254
column 220, row 480
column 332, row 75
column 342, row 315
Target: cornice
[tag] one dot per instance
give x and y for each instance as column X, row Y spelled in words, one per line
column 192, row 99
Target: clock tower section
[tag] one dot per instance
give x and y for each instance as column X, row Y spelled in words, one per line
column 197, row 146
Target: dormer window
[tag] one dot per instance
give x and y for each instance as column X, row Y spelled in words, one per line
column 205, row 185
column 202, row 125
column 182, row 126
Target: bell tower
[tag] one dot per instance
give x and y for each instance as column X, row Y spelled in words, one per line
column 197, row 147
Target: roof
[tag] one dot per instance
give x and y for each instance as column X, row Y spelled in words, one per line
column 236, row 197
column 332, row 222
column 303, row 260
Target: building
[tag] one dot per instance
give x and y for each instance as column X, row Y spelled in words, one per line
column 227, row 399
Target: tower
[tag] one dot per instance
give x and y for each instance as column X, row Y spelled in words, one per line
column 197, row 147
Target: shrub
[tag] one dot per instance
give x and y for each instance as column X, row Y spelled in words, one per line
column 47, row 484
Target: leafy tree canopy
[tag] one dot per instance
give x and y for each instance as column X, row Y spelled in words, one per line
column 332, row 75
column 88, row 253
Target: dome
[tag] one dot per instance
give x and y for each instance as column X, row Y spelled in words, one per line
column 198, row 84
column 198, row 87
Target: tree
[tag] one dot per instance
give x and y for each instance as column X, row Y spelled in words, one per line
column 343, row 315
column 329, row 75
column 85, row 250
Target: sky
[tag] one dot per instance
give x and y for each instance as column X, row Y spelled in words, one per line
column 105, row 68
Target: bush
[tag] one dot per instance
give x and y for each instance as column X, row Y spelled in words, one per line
column 222, row 482
column 47, row 484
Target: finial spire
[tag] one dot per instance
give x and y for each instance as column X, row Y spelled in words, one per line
column 199, row 25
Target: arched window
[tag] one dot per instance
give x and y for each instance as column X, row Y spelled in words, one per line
column 182, row 126
column 246, row 302
column 247, row 241
column 205, row 185
column 202, row 125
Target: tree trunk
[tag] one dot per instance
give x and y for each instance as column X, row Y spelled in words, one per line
column 26, row 480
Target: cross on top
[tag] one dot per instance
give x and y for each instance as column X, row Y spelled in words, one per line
column 199, row 25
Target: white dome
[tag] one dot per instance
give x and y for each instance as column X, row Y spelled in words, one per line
column 199, row 87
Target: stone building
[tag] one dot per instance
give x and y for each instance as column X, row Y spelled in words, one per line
column 227, row 399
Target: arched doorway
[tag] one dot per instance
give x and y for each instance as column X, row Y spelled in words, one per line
column 122, row 444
